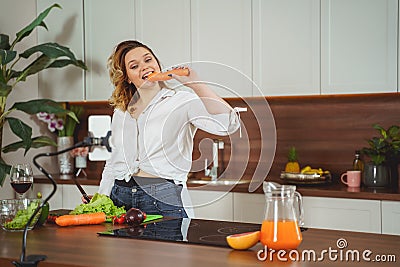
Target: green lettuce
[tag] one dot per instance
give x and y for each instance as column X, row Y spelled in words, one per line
column 99, row 203
column 22, row 217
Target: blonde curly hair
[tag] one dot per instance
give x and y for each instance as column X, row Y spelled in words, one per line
column 123, row 90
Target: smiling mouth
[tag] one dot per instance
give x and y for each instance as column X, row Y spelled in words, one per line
column 146, row 75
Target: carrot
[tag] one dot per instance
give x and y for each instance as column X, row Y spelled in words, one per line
column 81, row 219
column 163, row 76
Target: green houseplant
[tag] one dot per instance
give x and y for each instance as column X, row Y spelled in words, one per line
column 48, row 55
column 384, row 152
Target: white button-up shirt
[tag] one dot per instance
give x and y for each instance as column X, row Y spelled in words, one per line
column 160, row 140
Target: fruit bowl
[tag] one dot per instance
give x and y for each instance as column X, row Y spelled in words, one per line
column 306, row 179
column 15, row 213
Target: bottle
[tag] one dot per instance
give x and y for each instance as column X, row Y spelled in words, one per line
column 358, row 164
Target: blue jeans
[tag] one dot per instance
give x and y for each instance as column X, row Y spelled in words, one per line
column 162, row 198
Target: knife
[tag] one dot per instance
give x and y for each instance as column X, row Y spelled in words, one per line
column 85, row 196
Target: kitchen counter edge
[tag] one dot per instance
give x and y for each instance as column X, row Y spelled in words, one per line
column 334, row 189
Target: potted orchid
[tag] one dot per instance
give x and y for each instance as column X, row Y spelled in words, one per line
column 64, row 127
column 60, row 124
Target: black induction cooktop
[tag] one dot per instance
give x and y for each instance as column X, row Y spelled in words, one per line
column 193, row 231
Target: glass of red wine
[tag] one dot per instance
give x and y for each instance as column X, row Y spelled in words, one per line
column 21, row 177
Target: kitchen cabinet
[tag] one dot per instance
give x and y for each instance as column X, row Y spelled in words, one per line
column 56, row 201
column 106, row 24
column 286, row 44
column 288, row 47
column 248, row 207
column 170, row 37
column 72, row 197
column 66, row 28
column 221, row 45
column 357, row 215
column 212, row 205
column 359, row 46
column 391, row 217
column 67, row 196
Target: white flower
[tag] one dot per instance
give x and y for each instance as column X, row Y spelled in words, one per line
column 55, row 124
column 46, row 117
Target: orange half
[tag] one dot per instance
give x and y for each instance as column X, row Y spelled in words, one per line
column 243, row 241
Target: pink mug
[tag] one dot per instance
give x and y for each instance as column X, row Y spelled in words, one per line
column 353, row 178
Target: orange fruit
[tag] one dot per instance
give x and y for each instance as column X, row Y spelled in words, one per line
column 243, row 241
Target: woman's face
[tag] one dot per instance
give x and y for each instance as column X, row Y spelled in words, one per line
column 139, row 63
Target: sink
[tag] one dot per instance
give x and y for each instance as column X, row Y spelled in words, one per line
column 217, row 182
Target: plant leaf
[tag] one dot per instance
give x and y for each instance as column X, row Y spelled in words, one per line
column 39, row 105
column 381, row 130
column 394, row 132
column 39, row 64
column 43, row 105
column 37, row 22
column 42, row 141
column 52, row 50
column 5, row 89
column 6, row 56
column 4, row 41
column 64, row 62
column 22, row 130
column 4, row 170
column 37, row 142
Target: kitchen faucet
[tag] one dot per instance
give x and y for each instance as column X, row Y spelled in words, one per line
column 213, row 172
column 217, row 145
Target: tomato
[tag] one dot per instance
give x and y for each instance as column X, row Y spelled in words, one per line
column 119, row 220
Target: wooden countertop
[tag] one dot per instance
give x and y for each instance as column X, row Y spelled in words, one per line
column 81, row 246
column 334, row 189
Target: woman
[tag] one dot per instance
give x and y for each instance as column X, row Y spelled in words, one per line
column 153, row 129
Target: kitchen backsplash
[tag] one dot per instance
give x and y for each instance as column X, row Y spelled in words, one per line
column 325, row 129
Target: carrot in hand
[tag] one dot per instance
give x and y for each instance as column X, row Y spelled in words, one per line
column 81, row 219
column 164, row 76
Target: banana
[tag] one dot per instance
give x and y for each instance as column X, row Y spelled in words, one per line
column 309, row 170
column 305, row 169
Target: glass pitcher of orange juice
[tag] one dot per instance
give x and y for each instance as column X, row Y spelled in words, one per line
column 283, row 217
